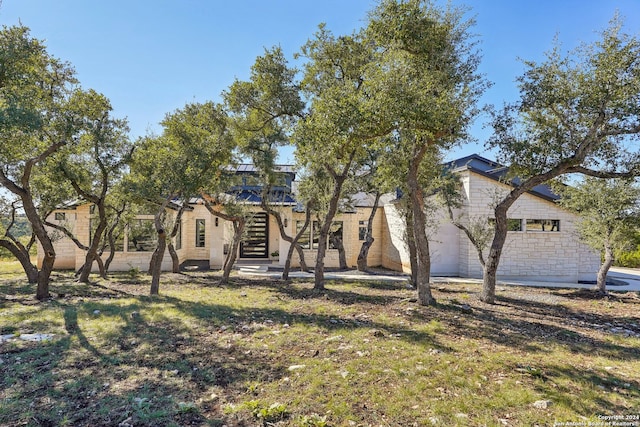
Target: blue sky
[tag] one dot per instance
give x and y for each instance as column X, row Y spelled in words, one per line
column 151, row 57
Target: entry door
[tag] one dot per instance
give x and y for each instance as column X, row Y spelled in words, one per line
column 256, row 244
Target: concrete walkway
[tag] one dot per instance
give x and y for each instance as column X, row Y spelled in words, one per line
column 629, row 276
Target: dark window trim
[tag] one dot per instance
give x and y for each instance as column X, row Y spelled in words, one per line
column 201, row 233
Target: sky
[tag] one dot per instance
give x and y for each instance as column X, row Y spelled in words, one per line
column 151, row 57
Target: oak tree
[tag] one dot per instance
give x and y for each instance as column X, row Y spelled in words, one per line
column 578, row 113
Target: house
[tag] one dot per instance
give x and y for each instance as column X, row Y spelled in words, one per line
column 542, row 243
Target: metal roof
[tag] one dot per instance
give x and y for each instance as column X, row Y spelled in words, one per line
column 498, row 172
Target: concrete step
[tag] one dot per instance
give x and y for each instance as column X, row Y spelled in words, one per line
column 253, row 268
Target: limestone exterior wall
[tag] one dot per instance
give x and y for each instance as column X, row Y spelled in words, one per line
column 65, row 248
column 70, row 256
column 528, row 254
column 351, row 223
column 128, row 259
column 444, row 242
column 220, row 236
column 537, row 255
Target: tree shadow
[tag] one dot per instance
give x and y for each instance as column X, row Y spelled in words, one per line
column 337, row 296
column 530, row 326
column 602, row 381
column 626, row 297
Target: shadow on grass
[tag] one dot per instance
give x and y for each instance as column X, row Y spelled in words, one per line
column 555, row 375
column 337, row 296
column 520, row 330
column 159, row 365
column 592, row 295
column 239, row 317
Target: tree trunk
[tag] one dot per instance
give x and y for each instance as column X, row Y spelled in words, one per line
column 287, row 262
column 94, row 244
column 292, row 240
column 111, row 239
column 42, row 291
column 423, row 276
column 156, row 264
column 609, row 258
column 22, row 255
column 301, row 260
column 238, row 228
column 175, row 260
column 338, row 181
column 488, row 294
column 112, row 252
column 411, row 247
column 38, row 228
column 294, row 245
column 85, row 271
column 368, row 240
column 342, row 256
column 101, row 269
column 156, row 259
column 318, row 273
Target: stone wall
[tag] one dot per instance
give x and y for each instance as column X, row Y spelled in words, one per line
column 536, row 255
column 351, row 241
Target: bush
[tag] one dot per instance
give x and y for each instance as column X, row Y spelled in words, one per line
column 628, row 259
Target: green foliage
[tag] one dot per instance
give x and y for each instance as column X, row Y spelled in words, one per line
column 577, row 110
column 313, row 420
column 151, row 358
column 629, row 259
column 133, row 272
column 188, row 157
column 609, row 211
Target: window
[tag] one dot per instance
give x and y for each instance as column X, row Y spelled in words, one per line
column 60, row 216
column 513, row 224
column 311, row 237
column 142, row 236
column 335, row 235
column 315, row 235
column 362, row 230
column 200, row 233
column 305, row 239
column 118, row 239
column 179, row 236
column 543, row 225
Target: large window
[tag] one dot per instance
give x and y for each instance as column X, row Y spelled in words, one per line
column 305, row 239
column 200, row 233
column 315, row 235
column 335, row 234
column 179, row 236
column 543, row 225
column 513, row 224
column 142, row 236
column 118, row 239
column 311, row 236
column 362, row 230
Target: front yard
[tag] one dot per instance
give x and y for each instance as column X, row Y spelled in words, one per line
column 262, row 352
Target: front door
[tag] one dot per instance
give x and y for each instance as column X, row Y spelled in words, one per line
column 256, row 242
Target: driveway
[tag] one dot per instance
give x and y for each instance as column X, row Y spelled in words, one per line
column 629, row 276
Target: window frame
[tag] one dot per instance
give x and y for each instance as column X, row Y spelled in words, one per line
column 201, row 233
column 153, row 237
column 511, row 224
column 554, row 225
column 362, row 230
column 304, row 243
column 179, row 237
